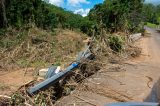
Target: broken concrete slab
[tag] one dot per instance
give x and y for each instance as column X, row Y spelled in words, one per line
column 135, row 37
column 43, row 72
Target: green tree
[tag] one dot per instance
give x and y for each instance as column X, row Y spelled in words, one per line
column 118, row 14
column 149, row 13
column 158, row 20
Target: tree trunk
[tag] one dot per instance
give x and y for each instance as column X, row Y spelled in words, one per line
column 3, row 13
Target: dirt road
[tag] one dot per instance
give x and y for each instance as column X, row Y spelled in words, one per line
column 130, row 81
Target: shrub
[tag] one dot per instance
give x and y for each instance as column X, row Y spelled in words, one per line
column 2, row 32
column 116, row 43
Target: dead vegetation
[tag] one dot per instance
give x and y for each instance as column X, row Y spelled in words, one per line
column 36, row 48
column 133, row 51
column 39, row 49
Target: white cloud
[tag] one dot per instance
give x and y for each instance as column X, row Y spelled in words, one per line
column 82, row 12
column 77, row 2
column 72, row 5
column 57, row 2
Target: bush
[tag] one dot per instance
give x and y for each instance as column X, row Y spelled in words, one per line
column 116, row 43
column 2, row 31
column 6, row 43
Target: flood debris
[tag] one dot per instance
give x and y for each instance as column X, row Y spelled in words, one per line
column 134, row 51
column 53, row 70
column 42, row 72
column 53, row 75
column 57, row 82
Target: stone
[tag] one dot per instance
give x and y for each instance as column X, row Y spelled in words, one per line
column 43, row 72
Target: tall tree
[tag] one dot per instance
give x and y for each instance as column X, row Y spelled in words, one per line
column 118, row 14
column 3, row 18
column 149, row 11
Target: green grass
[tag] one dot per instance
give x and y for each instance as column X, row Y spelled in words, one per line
column 39, row 63
column 151, row 25
column 22, row 62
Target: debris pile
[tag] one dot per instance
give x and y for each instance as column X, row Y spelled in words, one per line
column 58, row 83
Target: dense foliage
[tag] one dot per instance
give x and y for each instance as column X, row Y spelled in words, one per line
column 111, row 15
column 115, row 15
column 151, row 13
column 44, row 15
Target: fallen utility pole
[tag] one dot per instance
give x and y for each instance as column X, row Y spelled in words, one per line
column 57, row 77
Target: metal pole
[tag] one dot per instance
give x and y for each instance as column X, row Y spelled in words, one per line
column 50, row 81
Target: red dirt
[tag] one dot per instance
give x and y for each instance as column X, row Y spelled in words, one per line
column 11, row 81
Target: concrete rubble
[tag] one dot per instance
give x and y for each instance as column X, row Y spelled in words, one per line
column 135, row 37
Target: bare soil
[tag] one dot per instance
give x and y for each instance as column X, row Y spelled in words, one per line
column 12, row 81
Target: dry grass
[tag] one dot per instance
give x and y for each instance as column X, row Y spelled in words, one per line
column 39, row 48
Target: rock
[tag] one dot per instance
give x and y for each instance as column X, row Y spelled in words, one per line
column 135, row 37
column 42, row 72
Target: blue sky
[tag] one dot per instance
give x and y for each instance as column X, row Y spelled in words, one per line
column 83, row 6
column 77, row 6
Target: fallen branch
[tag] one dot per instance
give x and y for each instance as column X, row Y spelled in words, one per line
column 5, row 96
column 27, row 104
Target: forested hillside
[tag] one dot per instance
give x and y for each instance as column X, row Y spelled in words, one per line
column 114, row 15
column 18, row 13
